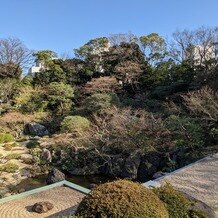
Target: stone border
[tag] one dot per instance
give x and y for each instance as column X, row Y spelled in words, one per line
column 44, row 188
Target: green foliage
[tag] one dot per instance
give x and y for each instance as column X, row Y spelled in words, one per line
column 9, row 167
column 121, row 198
column 30, row 100
column 6, row 137
column 92, row 47
column 187, row 132
column 176, row 202
column 214, row 133
column 74, row 124
column 60, row 97
column 32, row 144
column 8, row 89
column 13, row 156
column 98, row 102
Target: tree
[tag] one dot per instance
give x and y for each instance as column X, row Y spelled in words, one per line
column 195, row 45
column 117, row 39
column 60, row 97
column 45, row 56
column 51, row 70
column 126, row 62
column 14, row 56
column 153, row 46
column 8, row 89
column 92, row 47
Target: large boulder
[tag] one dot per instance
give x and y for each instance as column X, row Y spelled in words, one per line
column 42, row 207
column 130, row 169
column 35, row 129
column 54, row 176
column 122, row 166
column 150, row 164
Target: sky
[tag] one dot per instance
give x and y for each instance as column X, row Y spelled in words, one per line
column 62, row 25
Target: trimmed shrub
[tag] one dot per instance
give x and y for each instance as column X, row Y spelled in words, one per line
column 121, row 198
column 6, row 137
column 176, row 202
column 74, row 124
column 9, row 167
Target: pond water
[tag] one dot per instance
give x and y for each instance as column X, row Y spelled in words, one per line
column 85, row 181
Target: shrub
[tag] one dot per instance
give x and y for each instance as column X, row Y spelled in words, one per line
column 74, row 124
column 203, row 103
column 186, row 131
column 121, row 198
column 98, row 102
column 6, row 137
column 13, row 156
column 176, row 202
column 32, row 144
column 9, row 167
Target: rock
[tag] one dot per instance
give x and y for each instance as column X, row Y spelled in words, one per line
column 46, row 155
column 149, row 165
column 35, row 129
column 27, row 158
column 42, row 207
column 130, row 169
column 21, row 190
column 54, row 176
column 158, row 174
column 92, row 185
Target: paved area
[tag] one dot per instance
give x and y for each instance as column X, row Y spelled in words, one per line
column 64, row 199
column 199, row 180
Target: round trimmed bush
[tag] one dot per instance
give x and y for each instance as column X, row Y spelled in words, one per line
column 74, row 124
column 176, row 202
column 121, row 198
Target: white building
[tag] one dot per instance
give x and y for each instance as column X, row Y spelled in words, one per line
column 37, row 68
column 201, row 54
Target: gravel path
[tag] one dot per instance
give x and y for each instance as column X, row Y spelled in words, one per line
column 199, row 180
column 64, row 199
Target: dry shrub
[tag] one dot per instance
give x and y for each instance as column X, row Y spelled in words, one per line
column 203, row 103
column 125, row 129
column 105, row 84
column 14, row 122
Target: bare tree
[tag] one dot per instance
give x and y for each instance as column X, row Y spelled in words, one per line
column 196, row 45
column 117, row 39
column 14, row 56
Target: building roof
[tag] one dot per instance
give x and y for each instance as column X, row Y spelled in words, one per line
column 65, row 197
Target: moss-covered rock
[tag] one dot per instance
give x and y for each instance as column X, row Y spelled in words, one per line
column 121, row 198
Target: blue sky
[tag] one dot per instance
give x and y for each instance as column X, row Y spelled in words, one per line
column 62, row 25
